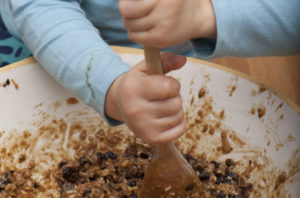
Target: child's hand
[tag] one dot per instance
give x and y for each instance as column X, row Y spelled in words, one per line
column 163, row 23
column 150, row 105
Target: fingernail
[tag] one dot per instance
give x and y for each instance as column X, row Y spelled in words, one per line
column 179, row 57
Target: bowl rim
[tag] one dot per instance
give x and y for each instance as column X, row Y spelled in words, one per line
column 129, row 50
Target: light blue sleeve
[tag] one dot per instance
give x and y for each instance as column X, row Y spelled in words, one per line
column 67, row 46
column 248, row 28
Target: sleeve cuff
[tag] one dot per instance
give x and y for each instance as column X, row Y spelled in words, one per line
column 98, row 83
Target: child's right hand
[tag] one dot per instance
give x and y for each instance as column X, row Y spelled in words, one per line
column 150, row 105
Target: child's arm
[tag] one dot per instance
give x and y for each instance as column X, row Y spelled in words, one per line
column 241, row 28
column 67, row 45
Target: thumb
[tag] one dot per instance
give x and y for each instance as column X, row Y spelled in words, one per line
column 172, row 61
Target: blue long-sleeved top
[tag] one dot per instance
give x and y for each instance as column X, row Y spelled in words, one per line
column 71, row 38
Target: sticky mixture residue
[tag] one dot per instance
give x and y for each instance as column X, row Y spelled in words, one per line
column 231, row 90
column 5, row 83
column 72, row 100
column 261, row 89
column 16, row 85
column 289, row 139
column 79, row 155
column 253, row 164
column 202, row 91
column 226, row 147
column 259, row 109
column 233, row 85
column 1, row 133
column 279, row 106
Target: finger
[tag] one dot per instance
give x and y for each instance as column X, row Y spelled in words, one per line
column 144, row 38
column 158, row 87
column 139, row 24
column 150, row 37
column 172, row 133
column 172, row 61
column 167, row 123
column 131, row 9
column 167, row 107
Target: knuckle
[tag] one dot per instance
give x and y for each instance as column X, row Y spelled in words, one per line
column 129, row 86
column 124, row 8
column 177, row 103
column 171, row 86
column 133, row 37
column 132, row 111
column 167, row 85
column 181, row 131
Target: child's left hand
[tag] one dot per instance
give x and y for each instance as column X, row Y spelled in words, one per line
column 163, row 23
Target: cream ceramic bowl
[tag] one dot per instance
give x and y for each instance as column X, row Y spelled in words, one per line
column 271, row 141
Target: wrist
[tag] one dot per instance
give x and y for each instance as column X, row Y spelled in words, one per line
column 205, row 20
column 112, row 108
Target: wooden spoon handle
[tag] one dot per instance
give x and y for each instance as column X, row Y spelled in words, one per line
column 154, row 66
column 153, row 60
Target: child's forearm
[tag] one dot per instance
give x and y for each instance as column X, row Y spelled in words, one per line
column 68, row 47
column 257, row 28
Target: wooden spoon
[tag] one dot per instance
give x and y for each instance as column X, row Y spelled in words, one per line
column 168, row 174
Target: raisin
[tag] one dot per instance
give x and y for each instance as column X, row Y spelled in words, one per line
column 227, row 181
column 133, row 195
column 229, row 162
column 232, row 175
column 233, row 196
column 93, row 177
column 221, row 194
column 219, row 180
column 61, row 164
column 71, row 174
column 131, row 183
column 68, row 187
column 144, row 155
column 100, row 158
column 131, row 152
column 86, row 193
column 189, row 187
column 110, row 155
column 140, row 175
column 218, row 172
column 7, row 82
column 8, row 173
column 217, row 165
column 199, row 168
column 131, row 171
column 189, row 158
column 35, row 185
column 246, row 188
column 204, row 176
column 4, row 183
column 83, row 161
